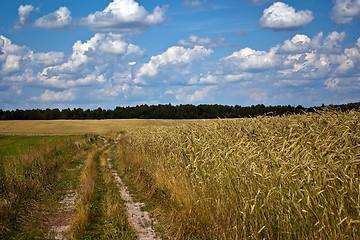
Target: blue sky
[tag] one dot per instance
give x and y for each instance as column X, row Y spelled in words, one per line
column 97, row 53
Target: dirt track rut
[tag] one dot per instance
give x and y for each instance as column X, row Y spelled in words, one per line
column 140, row 220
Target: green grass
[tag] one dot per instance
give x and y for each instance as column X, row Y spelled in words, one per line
column 29, row 168
column 13, row 145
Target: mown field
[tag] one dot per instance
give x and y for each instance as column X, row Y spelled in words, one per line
column 289, row 177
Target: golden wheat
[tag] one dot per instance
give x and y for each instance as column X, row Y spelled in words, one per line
column 290, row 177
column 78, row 127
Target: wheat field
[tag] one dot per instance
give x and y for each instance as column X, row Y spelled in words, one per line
column 78, row 127
column 290, row 177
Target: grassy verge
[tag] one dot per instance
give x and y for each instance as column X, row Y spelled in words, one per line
column 88, row 180
column 291, row 177
column 29, row 167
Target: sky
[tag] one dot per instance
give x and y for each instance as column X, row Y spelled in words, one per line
column 99, row 53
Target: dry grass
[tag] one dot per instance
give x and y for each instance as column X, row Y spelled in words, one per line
column 100, row 212
column 87, row 186
column 78, row 127
column 291, row 177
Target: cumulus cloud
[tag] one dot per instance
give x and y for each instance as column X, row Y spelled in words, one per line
column 204, row 41
column 315, row 58
column 197, row 4
column 250, row 60
column 280, row 16
column 299, row 62
column 124, row 16
column 89, row 60
column 114, row 91
column 12, row 63
column 60, row 19
column 103, row 68
column 14, row 59
column 302, row 43
column 103, row 58
column 7, row 48
column 345, row 11
column 52, row 96
column 349, row 61
column 48, row 59
column 24, row 15
column 207, row 79
column 173, row 57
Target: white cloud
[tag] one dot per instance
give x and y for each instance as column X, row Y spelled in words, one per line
column 343, row 84
column 250, row 60
column 114, row 91
column 310, row 65
column 299, row 62
column 60, row 19
column 172, row 57
column 115, row 44
column 204, row 41
column 52, row 96
column 349, row 61
column 237, row 77
column 49, row 58
column 123, row 16
column 207, row 79
column 189, row 95
column 301, row 43
column 13, row 57
column 197, row 3
column 321, row 57
column 24, row 14
column 90, row 60
column 11, row 64
column 7, row 48
column 345, row 11
column 24, row 76
column 281, row 16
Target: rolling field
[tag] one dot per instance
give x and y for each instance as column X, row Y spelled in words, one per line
column 289, row 177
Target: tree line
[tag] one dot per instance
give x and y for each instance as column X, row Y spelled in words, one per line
column 165, row 111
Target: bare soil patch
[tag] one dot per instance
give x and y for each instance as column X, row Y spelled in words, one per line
column 60, row 222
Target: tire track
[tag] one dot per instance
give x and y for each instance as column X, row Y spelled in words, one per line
column 141, row 221
column 59, row 224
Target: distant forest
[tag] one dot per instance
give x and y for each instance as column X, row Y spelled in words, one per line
column 166, row 111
